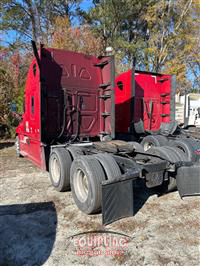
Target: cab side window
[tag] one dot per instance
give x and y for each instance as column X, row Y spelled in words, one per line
column 34, row 69
column 32, row 104
column 120, row 85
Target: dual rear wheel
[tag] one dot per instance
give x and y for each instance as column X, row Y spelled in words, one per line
column 83, row 174
column 174, row 155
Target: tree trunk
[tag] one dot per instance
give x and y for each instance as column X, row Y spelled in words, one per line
column 33, row 21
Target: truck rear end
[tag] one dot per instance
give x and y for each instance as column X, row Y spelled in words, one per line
column 145, row 102
column 68, row 128
column 68, row 98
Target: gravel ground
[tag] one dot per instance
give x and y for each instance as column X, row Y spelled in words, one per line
column 36, row 223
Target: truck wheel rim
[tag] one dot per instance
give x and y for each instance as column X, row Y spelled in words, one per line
column 181, row 148
column 148, row 145
column 55, row 170
column 81, row 185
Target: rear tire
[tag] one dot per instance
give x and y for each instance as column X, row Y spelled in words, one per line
column 109, row 165
column 164, row 153
column 86, row 176
column 153, row 141
column 181, row 155
column 186, row 147
column 59, row 169
column 172, row 156
column 136, row 146
column 75, row 152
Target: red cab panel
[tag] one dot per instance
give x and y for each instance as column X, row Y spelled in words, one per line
column 148, row 102
column 64, row 101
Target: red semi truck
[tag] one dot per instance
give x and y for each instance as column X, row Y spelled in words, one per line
column 145, row 106
column 153, row 105
column 79, row 124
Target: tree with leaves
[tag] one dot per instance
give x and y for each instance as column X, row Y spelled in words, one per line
column 173, row 28
column 122, row 26
column 33, row 19
column 163, row 35
column 78, row 39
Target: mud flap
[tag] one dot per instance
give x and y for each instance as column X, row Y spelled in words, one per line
column 117, row 201
column 188, row 180
column 122, row 199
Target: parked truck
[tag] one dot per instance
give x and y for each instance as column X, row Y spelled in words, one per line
column 145, row 106
column 77, row 127
column 188, row 109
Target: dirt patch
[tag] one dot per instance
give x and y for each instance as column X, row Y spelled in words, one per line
column 36, row 223
column 121, row 259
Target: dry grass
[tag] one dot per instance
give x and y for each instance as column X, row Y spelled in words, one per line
column 69, row 215
column 88, row 226
column 131, row 225
column 162, row 260
column 194, row 224
column 189, row 241
column 186, row 207
column 58, row 203
column 169, row 228
column 121, row 259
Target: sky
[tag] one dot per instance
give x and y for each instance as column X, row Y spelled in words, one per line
column 5, row 39
column 86, row 4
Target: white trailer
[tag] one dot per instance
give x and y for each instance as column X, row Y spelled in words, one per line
column 188, row 109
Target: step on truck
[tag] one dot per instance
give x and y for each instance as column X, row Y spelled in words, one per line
column 69, row 128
